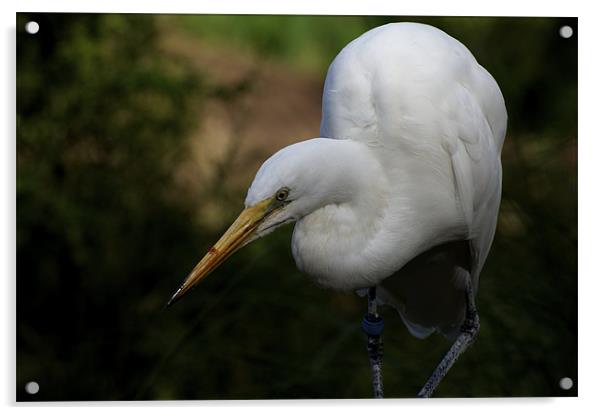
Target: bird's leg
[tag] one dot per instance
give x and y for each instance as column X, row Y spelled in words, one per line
column 373, row 325
column 468, row 333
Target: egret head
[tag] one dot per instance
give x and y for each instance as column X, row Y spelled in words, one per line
column 294, row 182
column 299, row 179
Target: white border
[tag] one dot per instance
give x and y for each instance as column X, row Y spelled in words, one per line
column 590, row 210
column 357, row 7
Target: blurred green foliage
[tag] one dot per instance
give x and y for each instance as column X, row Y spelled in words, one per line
column 535, row 68
column 101, row 121
column 104, row 235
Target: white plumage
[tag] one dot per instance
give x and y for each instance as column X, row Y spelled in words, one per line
column 402, row 190
column 419, row 126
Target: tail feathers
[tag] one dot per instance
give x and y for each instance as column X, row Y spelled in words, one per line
column 416, row 329
column 415, row 321
column 383, row 297
column 429, row 291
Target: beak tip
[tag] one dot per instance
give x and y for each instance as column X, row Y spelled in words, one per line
column 174, row 298
column 235, row 237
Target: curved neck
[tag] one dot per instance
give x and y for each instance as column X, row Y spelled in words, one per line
column 369, row 222
column 347, row 212
column 340, row 172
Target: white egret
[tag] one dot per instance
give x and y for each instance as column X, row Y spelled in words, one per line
column 400, row 194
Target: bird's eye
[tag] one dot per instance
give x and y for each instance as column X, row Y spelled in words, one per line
column 282, row 194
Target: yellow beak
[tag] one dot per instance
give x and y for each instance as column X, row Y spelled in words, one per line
column 236, row 237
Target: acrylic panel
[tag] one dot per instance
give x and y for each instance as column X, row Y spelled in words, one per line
column 137, row 139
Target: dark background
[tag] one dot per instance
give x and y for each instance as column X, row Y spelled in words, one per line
column 137, row 136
